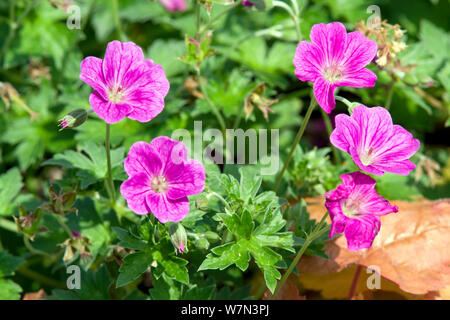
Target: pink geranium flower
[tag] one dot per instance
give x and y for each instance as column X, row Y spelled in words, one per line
column 334, row 59
column 375, row 144
column 125, row 84
column 174, row 5
column 354, row 207
column 160, row 177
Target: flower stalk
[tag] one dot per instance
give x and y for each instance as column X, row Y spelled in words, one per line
column 316, row 233
column 109, row 183
column 296, row 141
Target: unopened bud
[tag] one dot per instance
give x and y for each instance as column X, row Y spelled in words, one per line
column 73, row 119
column 178, row 236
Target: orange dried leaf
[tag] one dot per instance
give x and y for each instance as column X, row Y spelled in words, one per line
column 411, row 250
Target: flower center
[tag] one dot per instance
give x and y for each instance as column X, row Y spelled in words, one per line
column 159, row 184
column 332, row 73
column 116, row 94
column 349, row 208
column 367, row 157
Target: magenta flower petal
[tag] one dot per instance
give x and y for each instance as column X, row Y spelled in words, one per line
column 170, row 151
column 354, row 207
column 360, row 232
column 160, row 179
column 374, row 142
column 92, row 74
column 125, row 84
column 359, row 52
column 360, row 79
column 185, row 179
column 135, row 190
column 158, row 80
column 324, row 93
column 331, row 38
column 174, row 5
column 166, row 209
column 334, row 59
column 308, row 57
column 142, row 158
column 146, row 104
column 109, row 111
column 120, row 57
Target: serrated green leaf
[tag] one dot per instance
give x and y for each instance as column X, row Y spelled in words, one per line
column 250, row 182
column 134, row 265
column 165, row 288
column 129, row 241
column 199, row 293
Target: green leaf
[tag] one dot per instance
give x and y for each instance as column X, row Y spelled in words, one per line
column 165, row 288
column 92, row 167
column 173, row 266
column 10, row 185
column 197, row 293
column 129, row 241
column 282, row 240
column 8, row 264
column 228, row 254
column 94, row 286
column 266, row 259
column 9, row 290
column 134, row 265
column 166, row 53
column 250, row 182
column 436, row 40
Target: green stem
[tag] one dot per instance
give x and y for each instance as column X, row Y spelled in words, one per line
column 218, row 16
column 326, row 119
column 292, row 14
column 390, row 92
column 64, row 226
column 296, row 141
column 345, row 101
column 116, row 18
column 309, row 239
column 197, row 16
column 210, row 103
column 225, row 202
column 109, row 181
column 41, row 278
column 8, row 225
column 14, row 25
column 30, row 248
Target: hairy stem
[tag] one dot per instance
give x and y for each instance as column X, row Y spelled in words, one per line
column 345, row 101
column 41, row 278
column 296, row 141
column 292, row 14
column 210, row 103
column 64, row 226
column 309, row 239
column 30, row 248
column 109, row 181
column 220, row 15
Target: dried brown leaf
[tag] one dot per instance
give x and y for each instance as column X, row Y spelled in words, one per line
column 411, row 250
